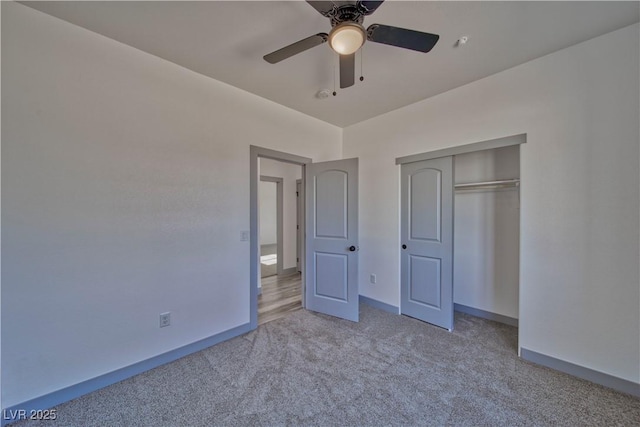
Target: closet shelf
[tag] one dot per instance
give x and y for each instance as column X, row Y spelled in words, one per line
column 504, row 183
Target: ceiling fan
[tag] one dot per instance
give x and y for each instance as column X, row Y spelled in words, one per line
column 348, row 35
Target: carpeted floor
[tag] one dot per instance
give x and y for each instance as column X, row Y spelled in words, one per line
column 311, row 369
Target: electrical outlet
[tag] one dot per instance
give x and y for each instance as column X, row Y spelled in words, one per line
column 372, row 279
column 244, row 235
column 165, row 319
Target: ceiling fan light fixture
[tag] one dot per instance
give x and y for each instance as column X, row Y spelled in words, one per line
column 347, row 38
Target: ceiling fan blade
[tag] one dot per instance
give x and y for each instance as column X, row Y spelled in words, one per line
column 368, row 7
column 347, row 70
column 324, row 7
column 401, row 37
column 296, row 48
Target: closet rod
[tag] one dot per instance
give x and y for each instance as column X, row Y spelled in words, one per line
column 500, row 183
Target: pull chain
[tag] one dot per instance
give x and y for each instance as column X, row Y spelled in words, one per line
column 334, row 82
column 361, row 55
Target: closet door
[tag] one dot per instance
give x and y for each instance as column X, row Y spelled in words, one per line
column 427, row 241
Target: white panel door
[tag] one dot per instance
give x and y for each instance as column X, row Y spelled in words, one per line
column 331, row 274
column 426, row 229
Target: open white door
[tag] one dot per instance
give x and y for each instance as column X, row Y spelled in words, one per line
column 331, row 275
column 426, row 230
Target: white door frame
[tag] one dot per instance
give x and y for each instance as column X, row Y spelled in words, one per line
column 255, row 153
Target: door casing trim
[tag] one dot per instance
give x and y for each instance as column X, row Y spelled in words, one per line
column 467, row 148
column 256, row 152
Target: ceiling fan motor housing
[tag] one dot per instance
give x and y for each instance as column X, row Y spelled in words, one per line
column 346, row 13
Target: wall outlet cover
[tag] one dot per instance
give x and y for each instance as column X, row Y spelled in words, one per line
column 165, row 319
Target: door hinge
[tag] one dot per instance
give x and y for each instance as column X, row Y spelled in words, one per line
column 297, row 194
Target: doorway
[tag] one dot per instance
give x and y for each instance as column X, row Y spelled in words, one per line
column 487, row 234
column 329, row 253
column 281, row 292
column 477, row 194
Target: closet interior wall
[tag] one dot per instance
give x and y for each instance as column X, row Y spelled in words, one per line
column 487, row 232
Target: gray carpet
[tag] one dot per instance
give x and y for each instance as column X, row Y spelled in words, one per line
column 311, row 369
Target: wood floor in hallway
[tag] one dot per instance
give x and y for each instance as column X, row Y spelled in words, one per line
column 280, row 296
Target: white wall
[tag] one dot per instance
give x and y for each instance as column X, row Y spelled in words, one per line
column 289, row 174
column 1, row 400
column 486, row 256
column 268, row 212
column 579, row 278
column 125, row 189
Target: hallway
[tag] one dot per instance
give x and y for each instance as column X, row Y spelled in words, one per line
column 280, row 296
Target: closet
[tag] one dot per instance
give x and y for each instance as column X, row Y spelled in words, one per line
column 487, row 233
column 460, row 222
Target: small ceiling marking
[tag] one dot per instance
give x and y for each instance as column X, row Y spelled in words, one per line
column 462, row 41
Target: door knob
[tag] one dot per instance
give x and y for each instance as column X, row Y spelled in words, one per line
column 404, row 246
column 353, row 248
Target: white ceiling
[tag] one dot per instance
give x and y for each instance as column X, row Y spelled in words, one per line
column 227, row 39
